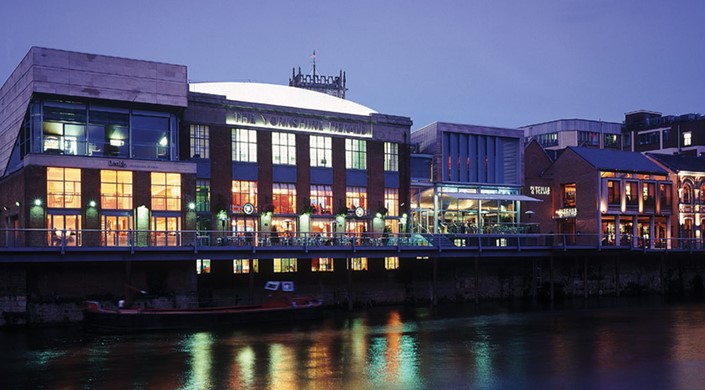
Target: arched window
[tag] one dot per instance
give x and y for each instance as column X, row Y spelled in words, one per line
column 687, row 193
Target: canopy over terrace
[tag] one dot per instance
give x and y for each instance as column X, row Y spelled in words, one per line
column 447, row 209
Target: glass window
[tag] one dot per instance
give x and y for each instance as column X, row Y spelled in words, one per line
column 151, row 137
column 588, row 138
column 631, row 193
column 322, row 265
column 284, row 198
column 356, row 197
column 203, row 195
column 391, row 263
column 203, row 266
column 613, row 192
column 355, row 154
column 200, row 144
column 549, row 139
column 244, row 145
column 283, row 148
column 665, row 196
column 63, row 188
column 687, row 194
column 116, row 190
column 391, row 201
column 244, row 192
column 648, row 193
column 166, row 191
column 687, row 138
column 612, row 141
column 322, row 199
column 569, row 195
column 245, row 266
column 391, row 157
column 321, row 151
column 358, row 263
column 108, row 132
column 284, row 265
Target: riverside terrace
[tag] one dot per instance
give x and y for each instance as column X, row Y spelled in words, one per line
column 41, row 245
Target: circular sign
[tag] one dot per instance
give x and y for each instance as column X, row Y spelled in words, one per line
column 248, row 208
column 359, row 212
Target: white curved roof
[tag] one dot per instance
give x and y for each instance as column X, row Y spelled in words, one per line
column 281, row 95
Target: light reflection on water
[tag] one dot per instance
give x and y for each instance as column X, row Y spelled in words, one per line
column 653, row 346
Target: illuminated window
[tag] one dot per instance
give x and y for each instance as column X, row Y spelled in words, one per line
column 358, row 263
column 355, row 154
column 284, row 148
column 116, row 190
column 203, row 266
column 244, row 192
column 687, row 194
column 284, row 198
column 166, row 191
column 356, row 197
column 665, row 196
column 391, row 201
column 63, row 188
column 151, row 136
column 612, row 141
column 165, row 230
column 203, row 195
column 613, row 192
column 569, row 195
column 648, row 193
column 321, row 151
column 200, row 143
column 391, row 157
column 321, row 199
column 391, row 263
column 631, row 193
column 687, row 138
column 244, row 144
column 284, row 265
column 322, row 265
column 64, row 128
column 245, row 266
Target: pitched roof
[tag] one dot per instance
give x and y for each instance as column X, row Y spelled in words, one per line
column 615, row 160
column 677, row 163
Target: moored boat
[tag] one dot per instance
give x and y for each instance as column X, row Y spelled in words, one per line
column 281, row 305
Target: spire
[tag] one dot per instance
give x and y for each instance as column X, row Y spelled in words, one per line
column 313, row 58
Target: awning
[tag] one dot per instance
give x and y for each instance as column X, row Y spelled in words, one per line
column 464, row 195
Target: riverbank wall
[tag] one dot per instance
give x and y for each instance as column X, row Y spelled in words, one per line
column 37, row 294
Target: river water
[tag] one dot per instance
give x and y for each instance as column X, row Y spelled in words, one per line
column 615, row 346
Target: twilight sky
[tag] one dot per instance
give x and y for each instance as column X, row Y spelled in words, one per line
column 503, row 63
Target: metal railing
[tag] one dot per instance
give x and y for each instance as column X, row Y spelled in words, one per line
column 67, row 240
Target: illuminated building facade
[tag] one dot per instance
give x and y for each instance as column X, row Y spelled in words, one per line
column 689, row 194
column 617, row 198
column 467, row 179
column 90, row 151
column 288, row 160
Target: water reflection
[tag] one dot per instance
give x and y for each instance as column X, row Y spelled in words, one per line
column 651, row 346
